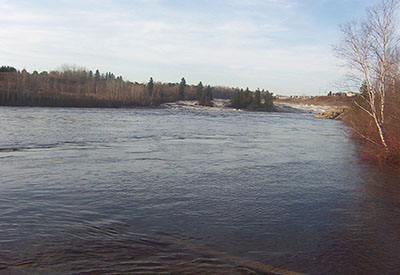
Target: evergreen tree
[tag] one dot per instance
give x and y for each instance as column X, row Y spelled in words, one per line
column 248, row 97
column 252, row 100
column 257, row 98
column 182, row 85
column 199, row 90
column 206, row 97
column 209, row 93
column 268, row 101
column 97, row 75
column 150, row 86
column 235, row 100
column 7, row 69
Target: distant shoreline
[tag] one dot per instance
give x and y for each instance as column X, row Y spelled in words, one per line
column 74, row 87
column 327, row 107
column 332, row 101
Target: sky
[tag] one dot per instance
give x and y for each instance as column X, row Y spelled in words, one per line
column 284, row 46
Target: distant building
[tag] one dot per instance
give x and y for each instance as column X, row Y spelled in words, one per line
column 351, row 94
column 300, row 96
column 282, row 97
column 276, row 96
column 348, row 94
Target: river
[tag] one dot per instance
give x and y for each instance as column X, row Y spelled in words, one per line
column 190, row 191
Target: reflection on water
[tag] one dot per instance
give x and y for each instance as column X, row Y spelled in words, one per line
column 189, row 191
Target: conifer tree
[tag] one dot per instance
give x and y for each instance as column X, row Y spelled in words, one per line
column 199, row 90
column 150, row 86
column 182, row 85
column 97, row 75
column 257, row 98
column 7, row 69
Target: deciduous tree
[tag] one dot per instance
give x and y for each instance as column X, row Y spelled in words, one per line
column 370, row 48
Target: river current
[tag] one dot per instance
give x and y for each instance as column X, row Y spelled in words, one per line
column 160, row 191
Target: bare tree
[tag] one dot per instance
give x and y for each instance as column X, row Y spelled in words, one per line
column 371, row 50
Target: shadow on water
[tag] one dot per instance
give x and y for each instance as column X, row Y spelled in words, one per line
column 117, row 250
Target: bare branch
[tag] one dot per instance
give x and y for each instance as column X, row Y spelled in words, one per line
column 370, row 47
column 362, row 108
column 364, row 136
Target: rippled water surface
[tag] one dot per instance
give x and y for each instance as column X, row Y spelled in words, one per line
column 189, row 191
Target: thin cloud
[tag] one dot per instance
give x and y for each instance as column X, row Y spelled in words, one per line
column 259, row 48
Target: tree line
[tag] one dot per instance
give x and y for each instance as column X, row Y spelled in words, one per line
column 76, row 87
column 253, row 101
column 71, row 86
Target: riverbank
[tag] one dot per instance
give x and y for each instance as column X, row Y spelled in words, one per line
column 363, row 131
column 320, row 111
column 218, row 104
column 327, row 107
column 333, row 101
column 288, row 107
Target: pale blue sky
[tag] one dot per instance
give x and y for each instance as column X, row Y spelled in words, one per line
column 281, row 45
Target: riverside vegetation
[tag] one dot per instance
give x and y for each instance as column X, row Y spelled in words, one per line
column 370, row 49
column 257, row 101
column 71, row 86
column 76, row 87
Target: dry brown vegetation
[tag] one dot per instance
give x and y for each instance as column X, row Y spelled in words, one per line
column 364, row 130
column 370, row 49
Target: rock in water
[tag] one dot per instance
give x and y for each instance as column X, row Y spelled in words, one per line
column 333, row 113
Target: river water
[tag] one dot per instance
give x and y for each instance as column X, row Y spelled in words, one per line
column 190, row 191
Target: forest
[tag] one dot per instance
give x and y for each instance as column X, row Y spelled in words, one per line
column 253, row 101
column 75, row 87
column 71, row 86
